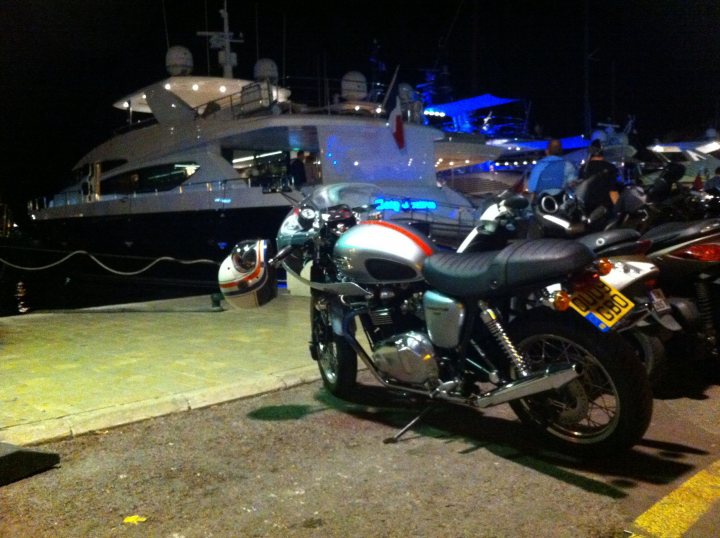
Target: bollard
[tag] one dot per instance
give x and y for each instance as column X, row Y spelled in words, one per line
column 215, row 300
column 21, row 296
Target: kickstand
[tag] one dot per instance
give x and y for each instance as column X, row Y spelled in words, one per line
column 396, row 437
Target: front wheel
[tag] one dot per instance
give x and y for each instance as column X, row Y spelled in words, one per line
column 336, row 359
column 607, row 408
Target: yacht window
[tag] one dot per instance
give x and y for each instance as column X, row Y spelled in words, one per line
column 106, row 166
column 163, row 177
column 81, row 173
column 259, row 167
column 675, row 156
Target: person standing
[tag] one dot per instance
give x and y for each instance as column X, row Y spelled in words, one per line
column 552, row 171
column 712, row 185
column 599, row 180
column 311, row 171
column 297, row 170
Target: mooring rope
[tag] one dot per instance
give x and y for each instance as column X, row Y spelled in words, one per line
column 106, row 267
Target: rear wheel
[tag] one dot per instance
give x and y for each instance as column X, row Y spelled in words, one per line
column 607, row 408
column 336, row 359
column 651, row 352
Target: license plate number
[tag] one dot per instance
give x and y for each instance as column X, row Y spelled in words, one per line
column 601, row 304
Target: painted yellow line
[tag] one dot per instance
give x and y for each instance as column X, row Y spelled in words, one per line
column 673, row 515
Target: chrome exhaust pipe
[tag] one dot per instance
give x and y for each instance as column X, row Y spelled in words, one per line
column 554, row 376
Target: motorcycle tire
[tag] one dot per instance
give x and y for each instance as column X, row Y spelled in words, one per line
column 651, row 352
column 606, row 409
column 336, row 359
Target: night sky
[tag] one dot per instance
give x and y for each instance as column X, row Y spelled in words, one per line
column 64, row 62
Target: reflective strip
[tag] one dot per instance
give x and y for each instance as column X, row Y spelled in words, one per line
column 419, row 241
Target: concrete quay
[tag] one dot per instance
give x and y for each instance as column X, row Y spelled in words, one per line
column 64, row 373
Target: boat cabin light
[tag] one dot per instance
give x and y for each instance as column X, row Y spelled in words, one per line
column 710, row 147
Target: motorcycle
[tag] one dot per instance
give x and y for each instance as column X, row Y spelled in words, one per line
column 688, row 257
column 687, row 254
column 635, row 275
column 639, row 207
column 440, row 325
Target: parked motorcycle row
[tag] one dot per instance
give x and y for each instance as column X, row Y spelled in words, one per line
column 672, row 227
column 571, row 327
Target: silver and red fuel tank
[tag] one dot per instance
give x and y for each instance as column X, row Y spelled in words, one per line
column 384, row 252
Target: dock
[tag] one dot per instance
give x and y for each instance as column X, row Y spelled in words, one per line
column 65, row 373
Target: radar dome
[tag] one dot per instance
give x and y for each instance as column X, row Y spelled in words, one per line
column 353, row 86
column 266, row 69
column 178, row 61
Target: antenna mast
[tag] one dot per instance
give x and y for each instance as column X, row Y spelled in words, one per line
column 220, row 41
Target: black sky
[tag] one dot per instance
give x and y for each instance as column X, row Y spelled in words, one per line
column 64, row 62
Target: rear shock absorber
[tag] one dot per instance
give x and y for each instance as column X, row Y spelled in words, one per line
column 489, row 318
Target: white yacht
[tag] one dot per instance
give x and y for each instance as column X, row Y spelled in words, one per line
column 699, row 157
column 475, row 119
column 209, row 166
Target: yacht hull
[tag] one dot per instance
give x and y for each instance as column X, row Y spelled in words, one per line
column 96, row 260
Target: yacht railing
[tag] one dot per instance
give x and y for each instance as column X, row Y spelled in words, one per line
column 68, row 198
column 455, row 223
column 262, row 98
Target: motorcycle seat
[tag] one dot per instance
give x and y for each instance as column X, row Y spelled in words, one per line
column 599, row 241
column 677, row 232
column 524, row 263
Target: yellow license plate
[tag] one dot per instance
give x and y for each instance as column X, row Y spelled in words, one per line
column 601, row 304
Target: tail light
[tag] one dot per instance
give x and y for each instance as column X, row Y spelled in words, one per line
column 604, row 266
column 584, row 280
column 705, row 252
column 561, row 300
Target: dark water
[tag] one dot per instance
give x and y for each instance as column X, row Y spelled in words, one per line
column 25, row 293
column 82, row 282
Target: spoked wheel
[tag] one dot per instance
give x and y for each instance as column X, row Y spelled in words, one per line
column 608, row 407
column 336, row 359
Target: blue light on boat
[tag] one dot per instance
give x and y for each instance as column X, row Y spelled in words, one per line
column 405, row 205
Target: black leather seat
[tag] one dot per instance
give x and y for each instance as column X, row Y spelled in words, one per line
column 602, row 240
column 675, row 232
column 523, row 263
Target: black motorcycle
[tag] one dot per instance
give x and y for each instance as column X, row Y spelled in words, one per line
column 440, row 324
column 688, row 256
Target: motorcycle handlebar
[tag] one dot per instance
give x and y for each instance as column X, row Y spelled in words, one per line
column 284, row 252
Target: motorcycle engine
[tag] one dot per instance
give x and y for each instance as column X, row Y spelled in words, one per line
column 408, row 357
